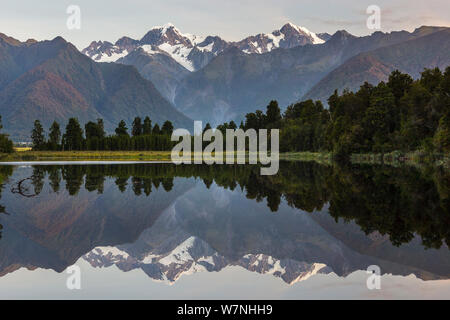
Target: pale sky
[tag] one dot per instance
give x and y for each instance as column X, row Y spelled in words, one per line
column 231, row 19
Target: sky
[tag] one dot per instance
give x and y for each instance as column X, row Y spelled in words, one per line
column 232, row 19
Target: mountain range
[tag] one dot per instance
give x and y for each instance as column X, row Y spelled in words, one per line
column 170, row 75
column 214, row 80
column 52, row 80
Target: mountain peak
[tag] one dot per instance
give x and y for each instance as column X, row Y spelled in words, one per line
column 9, row 40
column 165, row 28
column 169, row 34
column 59, row 39
column 290, row 25
column 291, row 29
column 341, row 36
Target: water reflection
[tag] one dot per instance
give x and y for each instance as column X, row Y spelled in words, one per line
column 172, row 220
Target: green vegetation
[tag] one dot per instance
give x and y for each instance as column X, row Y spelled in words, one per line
column 400, row 120
column 93, row 138
column 6, row 145
column 87, row 156
column 401, row 114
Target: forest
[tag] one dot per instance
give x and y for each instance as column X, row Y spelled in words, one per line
column 400, row 114
column 143, row 136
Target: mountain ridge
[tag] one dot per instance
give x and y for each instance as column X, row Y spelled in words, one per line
column 52, row 80
column 412, row 56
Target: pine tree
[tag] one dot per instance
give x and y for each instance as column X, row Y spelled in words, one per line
column 37, row 136
column 137, row 127
column 147, row 128
column 273, row 113
column 54, row 136
column 207, row 127
column 156, row 129
column 167, row 128
column 6, row 145
column 122, row 129
column 73, row 137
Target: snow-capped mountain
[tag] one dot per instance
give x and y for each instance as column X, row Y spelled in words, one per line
column 194, row 52
column 288, row 36
column 190, row 51
column 195, row 255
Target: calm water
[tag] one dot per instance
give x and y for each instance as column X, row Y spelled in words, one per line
column 157, row 231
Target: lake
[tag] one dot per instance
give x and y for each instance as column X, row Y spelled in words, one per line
column 161, row 231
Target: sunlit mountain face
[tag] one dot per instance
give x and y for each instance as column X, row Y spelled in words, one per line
column 175, row 221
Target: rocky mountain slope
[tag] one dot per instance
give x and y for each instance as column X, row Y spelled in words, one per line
column 411, row 57
column 215, row 81
column 165, row 55
column 235, row 83
column 52, row 80
column 194, row 52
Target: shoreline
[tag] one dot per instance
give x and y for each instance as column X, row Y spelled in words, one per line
column 393, row 158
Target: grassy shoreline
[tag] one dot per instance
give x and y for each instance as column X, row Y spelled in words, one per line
column 86, row 156
column 29, row 155
column 393, row 158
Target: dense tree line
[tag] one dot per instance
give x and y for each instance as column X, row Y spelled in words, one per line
column 6, row 145
column 400, row 114
column 143, row 136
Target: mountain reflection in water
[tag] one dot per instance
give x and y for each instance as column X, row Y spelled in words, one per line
column 172, row 220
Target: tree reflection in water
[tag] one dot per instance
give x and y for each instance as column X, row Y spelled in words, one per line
column 398, row 202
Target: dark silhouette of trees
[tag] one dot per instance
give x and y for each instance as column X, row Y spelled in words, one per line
column 6, row 145
column 37, row 136
column 137, row 128
column 167, row 128
column 54, row 136
column 73, row 137
column 147, row 127
column 401, row 114
column 122, row 129
column 156, row 130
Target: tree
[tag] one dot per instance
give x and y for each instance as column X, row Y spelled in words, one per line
column 122, row 129
column 399, row 83
column 156, row 129
column 6, row 145
column 95, row 134
column 101, row 128
column 232, row 125
column 431, row 78
column 137, row 128
column 37, row 136
column 54, row 136
column 273, row 113
column 207, row 127
column 167, row 128
column 94, row 130
column 73, row 137
column 255, row 120
column 442, row 136
column 147, row 128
